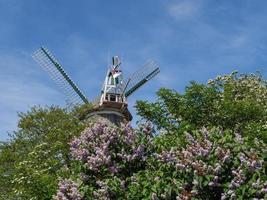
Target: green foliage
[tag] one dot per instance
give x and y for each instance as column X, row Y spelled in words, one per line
column 230, row 102
column 212, row 165
column 36, row 154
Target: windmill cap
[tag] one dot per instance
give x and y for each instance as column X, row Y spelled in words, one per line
column 116, row 61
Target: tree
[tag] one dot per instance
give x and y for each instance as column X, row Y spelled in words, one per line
column 229, row 102
column 38, row 152
column 233, row 108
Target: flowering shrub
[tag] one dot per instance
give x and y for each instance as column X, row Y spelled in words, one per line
column 68, row 190
column 214, row 165
column 34, row 176
column 102, row 148
column 243, row 87
column 119, row 163
column 107, row 156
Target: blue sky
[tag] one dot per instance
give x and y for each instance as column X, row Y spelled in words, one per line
column 189, row 39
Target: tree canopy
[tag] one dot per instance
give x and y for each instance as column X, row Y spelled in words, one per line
column 236, row 102
column 35, row 155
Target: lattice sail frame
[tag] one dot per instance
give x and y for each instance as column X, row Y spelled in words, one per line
column 140, row 77
column 48, row 62
column 75, row 96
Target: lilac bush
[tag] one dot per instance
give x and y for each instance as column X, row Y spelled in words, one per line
column 221, row 165
column 68, row 190
column 101, row 147
column 105, row 158
column 124, row 163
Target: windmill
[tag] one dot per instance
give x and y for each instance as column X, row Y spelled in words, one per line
column 112, row 101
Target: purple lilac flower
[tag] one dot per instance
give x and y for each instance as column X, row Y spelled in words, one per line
column 67, row 190
column 100, row 146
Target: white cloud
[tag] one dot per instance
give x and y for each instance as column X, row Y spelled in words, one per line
column 184, row 9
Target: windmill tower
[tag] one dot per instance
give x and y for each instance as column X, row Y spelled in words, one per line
column 112, row 102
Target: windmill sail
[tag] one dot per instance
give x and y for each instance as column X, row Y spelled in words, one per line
column 48, row 62
column 140, row 77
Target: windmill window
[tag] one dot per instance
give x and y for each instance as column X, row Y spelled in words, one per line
column 106, row 97
column 112, row 97
column 117, row 80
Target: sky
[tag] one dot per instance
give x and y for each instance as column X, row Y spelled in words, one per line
column 189, row 39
